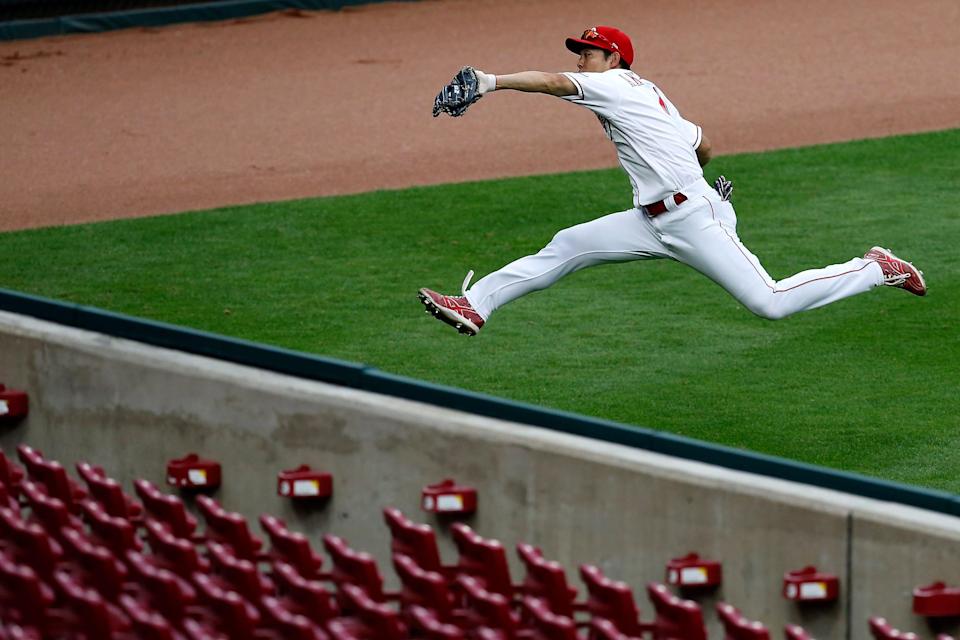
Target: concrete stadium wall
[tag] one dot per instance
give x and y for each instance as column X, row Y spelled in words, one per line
column 130, row 408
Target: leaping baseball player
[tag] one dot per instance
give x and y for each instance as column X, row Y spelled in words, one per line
column 676, row 214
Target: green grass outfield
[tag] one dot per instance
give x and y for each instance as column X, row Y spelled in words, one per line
column 869, row 384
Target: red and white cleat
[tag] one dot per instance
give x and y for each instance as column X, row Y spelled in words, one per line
column 897, row 272
column 456, row 311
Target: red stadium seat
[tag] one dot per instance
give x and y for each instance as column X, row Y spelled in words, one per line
column 91, row 616
column 880, row 629
column 109, row 493
column 482, row 558
column 229, row 528
column 236, row 617
column 424, row 588
column 365, row 619
column 53, row 477
column 795, row 632
column 677, row 619
column 288, row 625
column 100, row 568
column 292, row 548
column 8, row 500
column 547, row 580
column 173, row 553
column 167, row 593
column 414, row 540
column 612, row 600
column 354, row 567
column 28, row 543
column 546, row 625
column 486, row 610
column 116, row 534
column 26, row 600
column 166, row 508
column 146, row 624
column 603, row 629
column 10, row 475
column 425, row 624
column 49, row 512
column 737, row 627
column 301, row 595
column 238, row 574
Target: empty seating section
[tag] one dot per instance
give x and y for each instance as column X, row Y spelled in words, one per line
column 88, row 560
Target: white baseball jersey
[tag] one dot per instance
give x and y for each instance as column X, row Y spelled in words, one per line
column 656, row 146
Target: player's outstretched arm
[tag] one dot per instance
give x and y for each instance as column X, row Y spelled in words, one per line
column 555, row 84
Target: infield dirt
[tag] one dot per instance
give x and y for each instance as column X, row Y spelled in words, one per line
column 291, row 105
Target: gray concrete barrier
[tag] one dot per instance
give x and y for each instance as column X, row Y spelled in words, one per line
column 131, row 407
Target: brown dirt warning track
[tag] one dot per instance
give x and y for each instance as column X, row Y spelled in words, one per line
column 290, row 105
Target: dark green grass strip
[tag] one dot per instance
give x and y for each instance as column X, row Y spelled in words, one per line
column 867, row 385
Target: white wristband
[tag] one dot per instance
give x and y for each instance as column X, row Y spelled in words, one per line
column 488, row 82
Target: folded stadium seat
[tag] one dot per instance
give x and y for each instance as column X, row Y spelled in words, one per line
column 423, row 588
column 7, row 499
column 10, row 475
column 116, row 534
column 292, row 548
column 27, row 543
column 235, row 617
column 53, row 477
column 286, row 624
column 109, row 493
column 795, row 632
column 175, row 554
column 482, row 558
column 302, row 595
column 97, row 565
column 237, row 574
column 363, row 618
column 425, row 624
column 146, row 624
column 26, row 600
column 547, row 580
column 544, row 624
column 880, row 629
column 677, row 619
column 603, row 629
column 737, row 627
column 166, row 508
column 90, row 616
column 612, row 600
column 354, row 567
column 229, row 528
column 165, row 591
column 49, row 512
column 486, row 611
column 415, row 540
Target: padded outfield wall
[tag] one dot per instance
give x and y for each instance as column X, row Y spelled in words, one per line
column 131, row 407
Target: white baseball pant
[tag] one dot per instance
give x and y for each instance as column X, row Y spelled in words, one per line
column 701, row 233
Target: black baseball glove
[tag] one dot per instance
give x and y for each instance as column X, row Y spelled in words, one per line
column 459, row 94
column 724, row 187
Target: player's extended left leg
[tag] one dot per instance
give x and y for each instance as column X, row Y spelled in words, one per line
column 707, row 240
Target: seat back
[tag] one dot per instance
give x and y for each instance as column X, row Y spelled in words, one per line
column 880, row 629
column 371, row 619
column 677, row 619
column 101, row 568
column 90, row 615
column 286, row 624
column 31, row 544
column 176, row 554
column 353, row 567
column 424, row 588
column 291, row 547
column 483, row 558
column 413, row 539
column 51, row 513
column 22, row 590
column 166, row 508
column 10, row 474
column 169, row 594
column 237, row 618
column 230, row 528
column 611, row 599
column 737, row 627
column 242, row 575
column 546, row 579
column 795, row 632
column 145, row 624
column 308, row 597
column 117, row 534
column 486, row 609
column 425, row 624
column 546, row 625
column 108, row 492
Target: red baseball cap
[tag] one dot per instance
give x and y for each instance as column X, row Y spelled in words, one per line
column 607, row 38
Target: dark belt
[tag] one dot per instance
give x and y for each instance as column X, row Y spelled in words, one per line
column 657, row 208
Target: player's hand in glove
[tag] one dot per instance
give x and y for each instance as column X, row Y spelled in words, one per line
column 724, row 187
column 467, row 87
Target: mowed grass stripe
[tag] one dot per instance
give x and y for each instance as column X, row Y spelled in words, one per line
column 868, row 384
